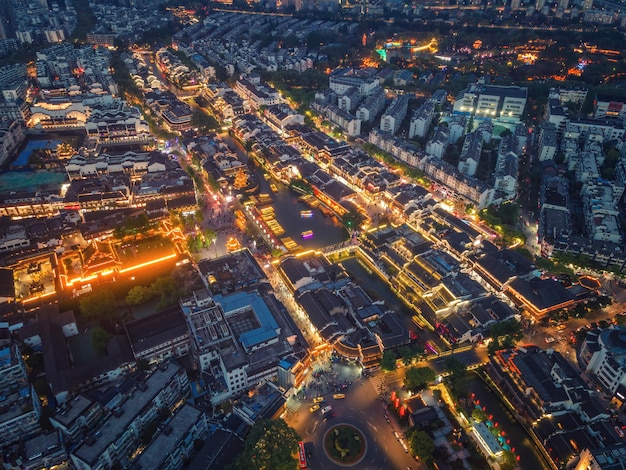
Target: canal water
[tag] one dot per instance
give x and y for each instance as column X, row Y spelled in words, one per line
column 530, row 457
column 326, row 230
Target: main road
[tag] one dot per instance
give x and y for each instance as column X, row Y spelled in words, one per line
column 363, row 409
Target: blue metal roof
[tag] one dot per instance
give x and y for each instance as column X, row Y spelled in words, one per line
column 269, row 327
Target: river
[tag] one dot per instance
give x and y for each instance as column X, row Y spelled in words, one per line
column 529, row 455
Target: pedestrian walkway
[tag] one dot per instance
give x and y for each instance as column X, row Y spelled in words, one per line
column 294, row 404
column 378, row 382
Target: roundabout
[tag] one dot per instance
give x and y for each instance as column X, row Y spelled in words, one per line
column 360, row 412
column 345, row 445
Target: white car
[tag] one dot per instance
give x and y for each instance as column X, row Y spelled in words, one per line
column 550, row 339
column 327, row 409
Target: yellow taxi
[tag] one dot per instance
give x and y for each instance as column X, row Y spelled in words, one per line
column 318, row 399
column 338, row 396
column 314, row 408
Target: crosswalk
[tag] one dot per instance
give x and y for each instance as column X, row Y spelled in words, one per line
column 383, row 382
column 293, row 404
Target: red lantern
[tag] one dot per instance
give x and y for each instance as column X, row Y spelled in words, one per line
column 393, row 396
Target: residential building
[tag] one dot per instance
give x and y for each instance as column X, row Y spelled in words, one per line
column 506, row 174
column 394, row 114
column 349, row 100
column 601, row 211
column 75, row 415
column 438, row 143
column 116, row 438
column 340, row 81
column 457, row 184
column 19, row 415
column 176, row 442
column 397, row 147
column 609, row 106
column 576, row 95
column 470, row 153
column 421, row 120
column 547, row 142
column 11, row 137
column 554, row 215
column 456, row 126
column 556, row 114
column 44, row 451
column 372, row 106
column 342, row 118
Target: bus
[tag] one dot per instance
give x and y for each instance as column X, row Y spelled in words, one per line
column 302, row 456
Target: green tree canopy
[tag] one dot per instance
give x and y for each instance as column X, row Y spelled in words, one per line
column 203, row 121
column 98, row 305
column 137, row 295
column 100, row 339
column 455, row 367
column 418, row 377
column 388, row 361
column 421, row 444
column 271, row 445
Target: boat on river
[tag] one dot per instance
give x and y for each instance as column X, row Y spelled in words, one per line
column 307, row 234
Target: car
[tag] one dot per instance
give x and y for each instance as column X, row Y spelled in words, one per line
column 327, row 409
column 314, row 408
column 619, row 432
column 550, row 339
column 338, row 396
column 318, row 399
column 561, row 327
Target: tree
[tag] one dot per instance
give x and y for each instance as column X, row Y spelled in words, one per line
column 421, row 444
column 479, row 415
column 166, row 288
column 98, row 305
column 203, row 121
column 137, row 295
column 271, row 444
column 100, row 339
column 388, row 361
column 418, row 377
column 407, row 354
column 455, row 368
